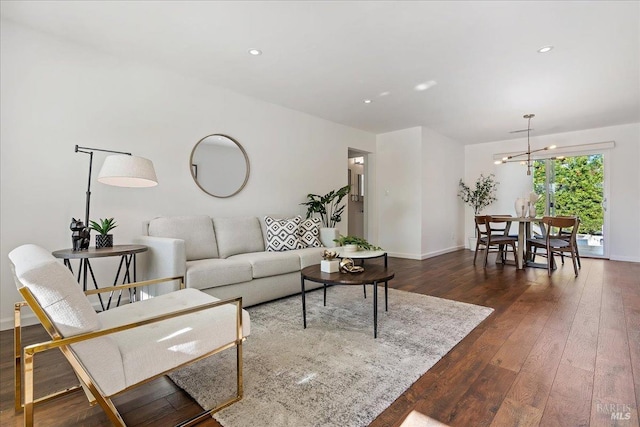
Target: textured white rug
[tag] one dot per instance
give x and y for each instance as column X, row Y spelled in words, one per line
column 334, row 373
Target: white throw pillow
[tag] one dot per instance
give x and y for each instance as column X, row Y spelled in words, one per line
column 282, row 234
column 309, row 233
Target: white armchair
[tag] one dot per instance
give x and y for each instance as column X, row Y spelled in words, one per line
column 116, row 350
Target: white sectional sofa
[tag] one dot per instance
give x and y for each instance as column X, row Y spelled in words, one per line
column 224, row 257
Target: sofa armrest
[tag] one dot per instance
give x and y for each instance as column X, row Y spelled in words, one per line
column 166, row 257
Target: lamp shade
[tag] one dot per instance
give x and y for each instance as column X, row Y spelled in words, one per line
column 128, row 171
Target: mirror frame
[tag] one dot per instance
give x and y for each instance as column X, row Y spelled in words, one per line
column 246, row 160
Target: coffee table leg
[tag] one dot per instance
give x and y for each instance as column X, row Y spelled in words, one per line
column 304, row 306
column 375, row 309
column 386, row 295
column 325, row 294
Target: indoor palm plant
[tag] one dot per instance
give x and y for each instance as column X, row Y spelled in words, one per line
column 329, row 209
column 103, row 239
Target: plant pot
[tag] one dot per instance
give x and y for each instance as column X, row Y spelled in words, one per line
column 330, row 266
column 327, row 235
column 350, row 248
column 104, row 241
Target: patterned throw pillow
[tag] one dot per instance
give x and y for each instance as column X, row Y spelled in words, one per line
column 309, row 233
column 282, row 234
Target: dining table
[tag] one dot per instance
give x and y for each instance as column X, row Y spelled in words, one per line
column 524, row 232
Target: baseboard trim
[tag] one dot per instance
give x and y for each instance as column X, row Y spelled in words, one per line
column 420, row 257
column 624, row 258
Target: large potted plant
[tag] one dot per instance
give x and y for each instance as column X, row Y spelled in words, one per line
column 330, row 210
column 479, row 197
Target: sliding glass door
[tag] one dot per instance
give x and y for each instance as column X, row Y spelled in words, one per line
column 575, row 186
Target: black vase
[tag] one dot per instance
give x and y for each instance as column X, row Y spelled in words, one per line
column 104, row 241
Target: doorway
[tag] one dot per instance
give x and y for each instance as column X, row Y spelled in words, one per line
column 356, row 204
column 575, row 185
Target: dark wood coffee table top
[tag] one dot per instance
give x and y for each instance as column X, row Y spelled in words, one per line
column 371, row 273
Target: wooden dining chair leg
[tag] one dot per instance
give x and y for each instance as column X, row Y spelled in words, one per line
column 573, row 259
column 486, row 255
column 475, row 255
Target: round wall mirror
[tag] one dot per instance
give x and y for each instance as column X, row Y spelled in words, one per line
column 219, row 165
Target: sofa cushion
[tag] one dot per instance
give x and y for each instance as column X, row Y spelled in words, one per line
column 309, row 256
column 209, row 273
column 265, row 264
column 196, row 231
column 309, row 233
column 238, row 235
column 282, row 234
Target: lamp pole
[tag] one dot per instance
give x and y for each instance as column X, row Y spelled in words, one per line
column 90, row 151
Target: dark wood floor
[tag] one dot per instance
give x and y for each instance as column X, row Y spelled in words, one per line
column 559, row 351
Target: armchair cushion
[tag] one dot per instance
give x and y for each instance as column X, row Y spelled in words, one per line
column 55, row 289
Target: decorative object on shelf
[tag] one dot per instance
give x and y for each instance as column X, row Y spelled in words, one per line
column 348, row 266
column 528, row 162
column 80, row 235
column 329, row 263
column 353, row 243
column 219, row 166
column 104, row 239
column 121, row 170
column 329, row 209
column 521, row 207
column 533, row 199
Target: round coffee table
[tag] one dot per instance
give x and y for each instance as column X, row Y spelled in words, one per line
column 372, row 275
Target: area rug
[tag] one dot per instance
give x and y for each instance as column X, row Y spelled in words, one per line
column 334, row 373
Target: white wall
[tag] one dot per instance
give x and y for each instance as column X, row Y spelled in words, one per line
column 56, row 94
column 442, row 210
column 623, row 171
column 418, row 174
column 399, row 192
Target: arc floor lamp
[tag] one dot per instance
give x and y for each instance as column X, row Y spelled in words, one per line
column 120, row 170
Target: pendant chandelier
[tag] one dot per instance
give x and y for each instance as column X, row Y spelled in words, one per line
column 520, row 157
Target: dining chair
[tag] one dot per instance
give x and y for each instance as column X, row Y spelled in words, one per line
column 481, row 234
column 567, row 236
column 498, row 238
column 116, row 350
column 559, row 238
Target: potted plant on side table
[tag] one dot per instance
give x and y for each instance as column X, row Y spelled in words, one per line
column 478, row 198
column 104, row 239
column 353, row 243
column 330, row 210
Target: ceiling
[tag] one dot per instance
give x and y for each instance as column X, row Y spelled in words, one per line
column 478, row 58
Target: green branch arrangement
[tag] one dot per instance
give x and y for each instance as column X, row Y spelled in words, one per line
column 482, row 195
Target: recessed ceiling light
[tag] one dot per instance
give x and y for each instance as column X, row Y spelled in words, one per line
column 545, row 49
column 255, row 52
column 367, row 101
column 425, row 85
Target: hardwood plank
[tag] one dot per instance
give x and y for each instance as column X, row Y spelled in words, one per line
column 569, row 402
column 522, row 366
column 513, row 413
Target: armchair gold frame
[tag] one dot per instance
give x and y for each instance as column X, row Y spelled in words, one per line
column 25, row 358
